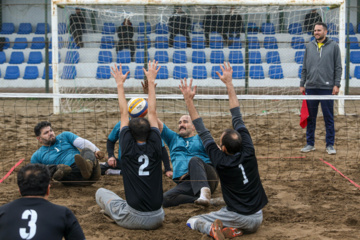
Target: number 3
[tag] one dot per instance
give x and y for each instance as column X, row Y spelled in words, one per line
column 246, row 180
column 145, row 159
column 31, row 224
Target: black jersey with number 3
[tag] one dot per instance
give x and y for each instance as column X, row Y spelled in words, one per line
column 37, row 218
column 141, row 168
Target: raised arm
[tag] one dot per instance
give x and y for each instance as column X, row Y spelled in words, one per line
column 226, row 78
column 151, row 76
column 189, row 94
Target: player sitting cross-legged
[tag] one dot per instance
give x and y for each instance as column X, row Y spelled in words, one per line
column 141, row 154
column 236, row 165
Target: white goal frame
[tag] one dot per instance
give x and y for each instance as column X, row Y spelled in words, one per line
column 54, row 28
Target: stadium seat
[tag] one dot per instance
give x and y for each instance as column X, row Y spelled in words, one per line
column 276, row 72
column 215, row 69
column 141, row 28
column 216, row 42
column 299, row 57
column 40, row 28
column 38, row 43
column 270, row 43
column 336, row 39
column 7, row 28
column 198, row 57
column 62, row 28
column 72, row 57
column 256, row 72
column 7, row 43
column 140, row 43
column 12, row 72
column 103, row 72
column 273, row 57
column 180, row 42
column 35, row 57
column 123, row 56
column 198, row 43
column 163, row 73
column 298, row 43
column 140, row 56
column 69, row 72
column 357, row 72
column 252, row 28
column 161, row 56
column 299, row 72
column 253, row 43
column 25, row 28
column 161, row 42
column 50, row 73
column 236, row 57
column 139, row 72
column 254, row 57
column 107, row 42
column 238, row 72
column 105, row 57
column 20, row 43
column 332, row 29
column 180, row 72
column 16, row 58
column 199, row 72
column 355, row 56
column 60, row 43
column 351, row 29
column 217, row 57
column 161, row 28
column 179, row 57
column 197, row 28
column 2, row 57
column 108, row 28
column 72, row 44
column 50, row 57
column 235, row 43
column 354, row 43
column 268, row 28
column 295, row 28
column 31, row 72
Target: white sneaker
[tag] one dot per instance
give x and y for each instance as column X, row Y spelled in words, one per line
column 330, row 150
column 307, row 148
column 204, row 199
column 112, row 171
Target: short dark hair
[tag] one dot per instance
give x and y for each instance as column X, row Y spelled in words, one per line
column 33, row 180
column 232, row 141
column 321, row 24
column 39, row 126
column 140, row 128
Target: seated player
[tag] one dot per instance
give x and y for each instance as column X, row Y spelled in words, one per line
column 236, row 164
column 64, row 160
column 32, row 216
column 140, row 144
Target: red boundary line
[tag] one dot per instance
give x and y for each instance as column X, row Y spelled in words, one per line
column 356, row 185
column 12, row 169
column 278, row 157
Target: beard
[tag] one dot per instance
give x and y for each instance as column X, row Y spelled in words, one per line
column 49, row 142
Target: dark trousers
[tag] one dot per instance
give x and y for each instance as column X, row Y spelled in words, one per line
column 77, row 35
column 327, row 107
column 207, row 33
column 106, row 166
column 182, row 32
column 200, row 175
column 126, row 44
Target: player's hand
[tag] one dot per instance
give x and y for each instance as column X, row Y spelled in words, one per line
column 335, row 90
column 187, row 90
column 112, row 162
column 99, row 154
column 227, row 72
column 152, row 72
column 302, row 90
column 118, row 75
column 169, row 174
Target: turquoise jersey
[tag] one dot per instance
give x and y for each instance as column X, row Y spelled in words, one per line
column 182, row 150
column 62, row 152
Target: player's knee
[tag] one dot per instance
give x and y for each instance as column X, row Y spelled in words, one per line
column 195, row 161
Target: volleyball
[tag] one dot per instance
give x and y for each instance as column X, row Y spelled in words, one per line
column 137, row 107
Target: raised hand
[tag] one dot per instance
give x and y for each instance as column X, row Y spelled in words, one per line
column 187, row 90
column 227, row 73
column 118, row 75
column 151, row 73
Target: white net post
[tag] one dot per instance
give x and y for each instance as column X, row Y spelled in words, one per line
column 55, row 52
column 341, row 103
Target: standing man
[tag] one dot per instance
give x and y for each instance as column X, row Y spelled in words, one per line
column 213, row 22
column 32, row 216
column 321, row 75
column 236, row 164
column 179, row 23
column 310, row 19
column 77, row 21
column 232, row 23
column 125, row 34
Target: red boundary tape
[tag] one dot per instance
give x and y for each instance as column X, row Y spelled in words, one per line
column 356, row 185
column 12, row 169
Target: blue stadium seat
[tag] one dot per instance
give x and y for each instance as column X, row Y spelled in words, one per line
column 354, row 43
column 103, row 72
column 7, row 28
column 332, row 29
column 50, row 57
column 199, row 72
column 20, row 43
column 298, row 43
column 180, row 72
column 351, row 29
column 60, row 43
column 217, row 57
column 25, row 28
column 107, row 42
column 357, row 72
column 295, row 28
column 256, row 72
column 141, row 28
column 72, row 44
column 69, row 72
column 336, row 39
column 2, row 57
column 125, row 69
column 238, row 72
column 216, row 42
column 236, row 43
column 161, row 56
column 163, row 73
column 161, row 28
column 12, row 72
column 16, row 58
column 197, row 28
column 38, row 43
column 299, row 72
column 198, row 42
column 139, row 72
column 255, row 57
column 40, row 28
column 270, row 43
column 72, row 57
column 123, row 56
column 105, row 57
column 62, row 28
column 180, row 42
column 7, row 43
column 215, row 69
column 276, row 72
column 108, row 28
column 355, row 56
column 140, row 56
column 299, row 57
column 253, row 43
column 198, row 57
column 35, row 57
column 273, row 57
column 236, row 57
column 268, row 28
column 179, row 57
column 50, row 73
column 31, row 72
column 140, row 43
column 252, row 28
column 161, row 42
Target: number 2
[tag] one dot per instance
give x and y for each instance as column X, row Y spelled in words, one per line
column 145, row 159
column 31, row 224
column 246, row 180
